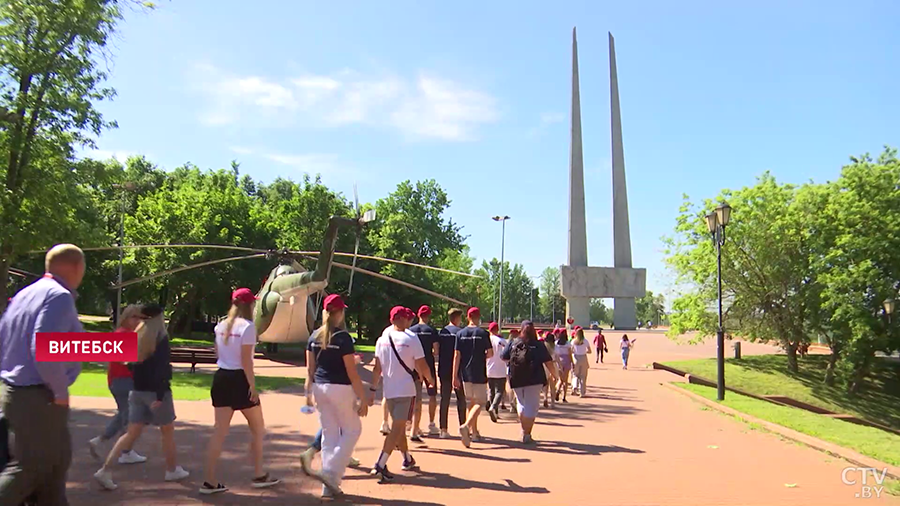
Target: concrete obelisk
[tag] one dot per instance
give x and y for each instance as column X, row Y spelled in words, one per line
column 577, row 308
column 624, row 312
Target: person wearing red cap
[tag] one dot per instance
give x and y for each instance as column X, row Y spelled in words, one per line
column 334, row 385
column 473, row 349
column 496, row 372
column 234, row 389
column 446, row 352
column 580, row 349
column 428, row 337
column 550, row 387
column 398, row 358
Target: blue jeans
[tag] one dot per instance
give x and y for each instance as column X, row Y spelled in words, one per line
column 625, row 352
column 120, row 388
column 317, row 442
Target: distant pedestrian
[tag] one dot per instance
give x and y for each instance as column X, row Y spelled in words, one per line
column 446, row 351
column 626, row 346
column 341, row 399
column 429, row 339
column 511, row 394
column 497, row 372
column 151, row 400
column 550, row 386
column 120, row 383
column 580, row 350
column 473, row 349
column 34, row 396
column 234, row 389
column 528, row 359
column 564, row 359
column 600, row 344
column 398, row 357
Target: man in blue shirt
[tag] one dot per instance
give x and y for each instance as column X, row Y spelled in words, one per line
column 35, row 395
column 473, row 348
column 446, row 348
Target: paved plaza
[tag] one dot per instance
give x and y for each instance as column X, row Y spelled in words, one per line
column 632, row 442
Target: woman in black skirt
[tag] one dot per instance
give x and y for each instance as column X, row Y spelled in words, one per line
column 234, row 389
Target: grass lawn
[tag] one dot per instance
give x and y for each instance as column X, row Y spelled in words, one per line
column 879, row 400
column 870, row 441
column 185, row 386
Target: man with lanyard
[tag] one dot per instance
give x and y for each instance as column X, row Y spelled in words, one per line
column 446, row 350
column 35, row 395
column 428, row 337
column 473, row 349
column 398, row 356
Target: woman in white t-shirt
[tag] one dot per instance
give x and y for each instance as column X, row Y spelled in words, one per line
column 234, row 389
column 564, row 359
column 580, row 349
column 625, row 345
column 496, row 372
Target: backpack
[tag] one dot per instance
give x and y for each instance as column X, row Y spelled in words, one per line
column 520, row 364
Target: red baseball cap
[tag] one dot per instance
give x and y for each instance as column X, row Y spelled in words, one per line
column 333, row 302
column 242, row 295
column 576, row 328
column 410, row 314
column 399, row 311
column 424, row 311
column 514, row 332
column 493, row 327
column 473, row 311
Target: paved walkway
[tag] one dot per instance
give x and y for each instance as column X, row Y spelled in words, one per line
column 632, row 442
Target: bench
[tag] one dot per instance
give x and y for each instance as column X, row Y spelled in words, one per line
column 193, row 356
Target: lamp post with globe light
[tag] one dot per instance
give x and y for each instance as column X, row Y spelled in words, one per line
column 716, row 222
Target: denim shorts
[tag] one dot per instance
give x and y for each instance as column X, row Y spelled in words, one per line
column 139, row 410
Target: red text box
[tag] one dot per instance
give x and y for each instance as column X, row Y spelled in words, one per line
column 85, row 347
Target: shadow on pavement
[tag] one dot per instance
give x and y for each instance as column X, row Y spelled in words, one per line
column 446, row 481
column 561, row 447
column 472, row 455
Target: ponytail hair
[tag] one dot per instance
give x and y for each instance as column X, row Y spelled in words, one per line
column 579, row 337
column 328, row 326
column 238, row 310
column 149, row 333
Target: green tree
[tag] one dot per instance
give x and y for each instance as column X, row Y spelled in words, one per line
column 650, row 307
column 854, row 229
column 767, row 285
column 51, row 52
column 553, row 305
column 599, row 312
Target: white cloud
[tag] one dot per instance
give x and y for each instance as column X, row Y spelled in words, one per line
column 241, row 150
column 552, row 117
column 428, row 106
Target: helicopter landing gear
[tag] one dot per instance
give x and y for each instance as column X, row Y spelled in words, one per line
column 271, row 347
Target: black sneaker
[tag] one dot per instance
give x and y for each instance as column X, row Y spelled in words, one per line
column 409, row 465
column 493, row 415
column 384, row 476
column 264, row 481
column 208, row 489
column 416, row 439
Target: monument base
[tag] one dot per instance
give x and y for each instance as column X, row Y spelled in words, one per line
column 579, row 309
column 624, row 313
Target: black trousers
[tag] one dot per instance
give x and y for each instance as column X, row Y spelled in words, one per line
column 446, row 389
column 4, row 443
column 43, row 447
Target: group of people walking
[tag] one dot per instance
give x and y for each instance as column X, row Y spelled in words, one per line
column 412, row 359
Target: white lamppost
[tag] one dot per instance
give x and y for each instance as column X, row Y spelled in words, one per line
column 502, row 220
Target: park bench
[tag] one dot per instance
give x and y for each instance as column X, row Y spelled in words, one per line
column 193, row 356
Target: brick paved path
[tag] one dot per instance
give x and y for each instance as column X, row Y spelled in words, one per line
column 632, row 442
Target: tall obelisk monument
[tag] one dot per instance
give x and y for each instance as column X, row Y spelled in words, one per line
column 624, row 312
column 577, row 308
column 579, row 283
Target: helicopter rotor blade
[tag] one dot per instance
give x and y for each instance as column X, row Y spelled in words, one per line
column 391, row 260
column 402, row 283
column 24, row 274
column 185, row 268
column 142, row 246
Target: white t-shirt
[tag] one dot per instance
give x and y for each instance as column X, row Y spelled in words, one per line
column 396, row 381
column 496, row 366
column 243, row 332
column 562, row 350
column 580, row 349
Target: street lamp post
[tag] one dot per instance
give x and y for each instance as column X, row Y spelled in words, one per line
column 502, row 220
column 716, row 222
column 129, row 186
column 889, row 306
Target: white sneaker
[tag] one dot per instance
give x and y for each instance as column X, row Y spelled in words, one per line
column 385, row 428
column 445, row 434
column 104, row 478
column 132, row 457
column 94, row 447
column 433, row 430
column 178, row 474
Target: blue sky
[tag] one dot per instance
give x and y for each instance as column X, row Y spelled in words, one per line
column 476, row 96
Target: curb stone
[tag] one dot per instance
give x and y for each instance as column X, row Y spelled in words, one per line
column 813, row 442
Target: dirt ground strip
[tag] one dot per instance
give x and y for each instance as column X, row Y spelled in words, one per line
column 631, row 442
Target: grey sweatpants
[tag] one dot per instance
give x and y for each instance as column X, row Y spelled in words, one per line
column 498, row 389
column 42, row 448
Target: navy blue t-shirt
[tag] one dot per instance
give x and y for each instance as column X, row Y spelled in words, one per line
column 539, row 356
column 330, row 366
column 447, row 343
column 427, row 336
column 472, row 343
